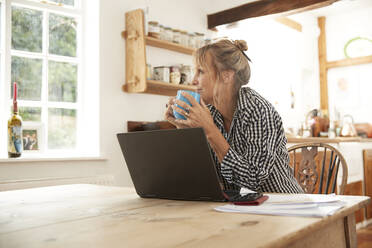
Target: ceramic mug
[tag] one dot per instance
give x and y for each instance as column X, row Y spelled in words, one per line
column 182, row 98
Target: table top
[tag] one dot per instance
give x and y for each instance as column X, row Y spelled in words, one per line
column 83, row 215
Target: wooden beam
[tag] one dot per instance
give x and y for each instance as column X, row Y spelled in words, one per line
column 349, row 62
column 322, row 52
column 262, row 8
column 289, row 23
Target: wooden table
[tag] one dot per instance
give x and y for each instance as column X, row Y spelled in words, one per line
column 98, row 216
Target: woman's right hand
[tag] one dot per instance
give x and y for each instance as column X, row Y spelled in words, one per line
column 169, row 114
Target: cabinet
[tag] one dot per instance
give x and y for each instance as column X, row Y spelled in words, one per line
column 135, row 59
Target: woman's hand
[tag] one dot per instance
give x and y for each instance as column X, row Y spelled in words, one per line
column 197, row 115
column 169, row 114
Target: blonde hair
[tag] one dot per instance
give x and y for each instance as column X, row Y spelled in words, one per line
column 227, row 55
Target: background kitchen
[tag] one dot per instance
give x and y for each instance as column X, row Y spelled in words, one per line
column 285, row 70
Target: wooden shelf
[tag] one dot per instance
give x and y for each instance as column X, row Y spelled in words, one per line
column 135, row 58
column 168, row 45
column 163, row 88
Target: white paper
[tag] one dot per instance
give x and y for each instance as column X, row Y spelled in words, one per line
column 306, row 205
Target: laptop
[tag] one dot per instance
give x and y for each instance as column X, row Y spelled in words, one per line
column 172, row 164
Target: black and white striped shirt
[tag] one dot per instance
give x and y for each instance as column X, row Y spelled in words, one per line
column 258, row 157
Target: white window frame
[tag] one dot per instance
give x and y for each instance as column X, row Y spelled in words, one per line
column 77, row 12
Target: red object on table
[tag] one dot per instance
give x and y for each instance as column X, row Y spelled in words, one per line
column 255, row 202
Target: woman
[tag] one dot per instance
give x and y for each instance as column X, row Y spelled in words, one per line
column 243, row 129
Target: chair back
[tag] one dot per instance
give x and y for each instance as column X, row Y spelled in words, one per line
column 316, row 168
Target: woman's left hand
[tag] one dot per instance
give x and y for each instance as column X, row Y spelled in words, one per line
column 197, row 115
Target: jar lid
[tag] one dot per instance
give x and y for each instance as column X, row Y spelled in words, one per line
column 176, row 30
column 183, row 32
column 167, row 28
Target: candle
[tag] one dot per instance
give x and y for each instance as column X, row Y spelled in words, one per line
column 14, row 92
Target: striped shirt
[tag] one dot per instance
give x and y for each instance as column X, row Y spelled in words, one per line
column 257, row 158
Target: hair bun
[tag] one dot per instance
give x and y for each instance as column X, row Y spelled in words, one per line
column 241, row 44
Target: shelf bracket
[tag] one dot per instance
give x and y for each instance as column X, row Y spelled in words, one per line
column 133, row 81
column 135, row 52
column 130, row 36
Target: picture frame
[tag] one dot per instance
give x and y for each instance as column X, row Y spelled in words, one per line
column 32, row 137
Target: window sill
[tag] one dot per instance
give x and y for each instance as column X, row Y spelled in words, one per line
column 50, row 159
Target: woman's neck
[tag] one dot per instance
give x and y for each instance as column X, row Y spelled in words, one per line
column 226, row 105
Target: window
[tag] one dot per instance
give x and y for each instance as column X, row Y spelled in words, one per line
column 41, row 50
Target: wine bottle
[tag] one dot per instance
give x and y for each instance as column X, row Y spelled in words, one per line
column 15, row 146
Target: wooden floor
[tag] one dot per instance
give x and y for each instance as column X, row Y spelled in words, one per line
column 365, row 237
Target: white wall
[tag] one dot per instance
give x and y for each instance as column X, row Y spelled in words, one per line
column 283, row 59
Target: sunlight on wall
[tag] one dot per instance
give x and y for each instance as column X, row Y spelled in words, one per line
column 278, row 65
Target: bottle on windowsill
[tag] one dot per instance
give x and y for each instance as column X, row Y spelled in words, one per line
column 15, row 145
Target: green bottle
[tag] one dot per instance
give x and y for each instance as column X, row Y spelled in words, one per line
column 15, row 143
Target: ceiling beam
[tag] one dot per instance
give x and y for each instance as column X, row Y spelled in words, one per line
column 263, row 8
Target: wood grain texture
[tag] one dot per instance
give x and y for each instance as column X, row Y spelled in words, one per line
column 263, row 8
column 364, row 237
column 350, row 231
column 367, row 163
column 289, row 23
column 135, row 58
column 150, row 41
column 349, row 62
column 324, row 140
column 166, row 89
column 303, row 156
column 135, row 52
column 322, row 53
column 99, row 216
column 134, row 126
column 355, row 188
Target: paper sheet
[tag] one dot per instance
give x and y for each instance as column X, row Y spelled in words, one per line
column 306, row 205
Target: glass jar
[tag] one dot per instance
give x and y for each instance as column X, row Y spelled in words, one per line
column 168, row 34
column 186, row 74
column 199, row 40
column 153, row 29
column 148, row 72
column 184, row 38
column 161, row 73
column 176, row 36
column 175, row 75
column 192, row 40
column 161, row 32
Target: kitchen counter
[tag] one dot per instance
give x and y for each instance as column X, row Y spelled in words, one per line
column 326, row 140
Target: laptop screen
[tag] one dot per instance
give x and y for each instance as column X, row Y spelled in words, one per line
column 171, row 164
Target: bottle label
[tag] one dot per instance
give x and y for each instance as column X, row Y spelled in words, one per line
column 15, row 139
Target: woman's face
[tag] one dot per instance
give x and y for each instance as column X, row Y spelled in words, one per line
column 204, row 80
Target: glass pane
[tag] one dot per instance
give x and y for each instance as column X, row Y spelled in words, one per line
column 62, row 35
column 62, row 82
column 62, row 128
column 27, row 29
column 30, row 113
column 64, row 2
column 27, row 73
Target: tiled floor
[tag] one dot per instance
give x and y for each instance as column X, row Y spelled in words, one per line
column 365, row 237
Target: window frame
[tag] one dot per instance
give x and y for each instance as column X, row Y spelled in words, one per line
column 76, row 12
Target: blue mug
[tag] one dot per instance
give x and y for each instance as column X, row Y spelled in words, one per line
column 182, row 98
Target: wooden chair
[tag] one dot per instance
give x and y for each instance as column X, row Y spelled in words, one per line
column 316, row 167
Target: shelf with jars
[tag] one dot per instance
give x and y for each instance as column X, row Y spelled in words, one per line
column 135, row 62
